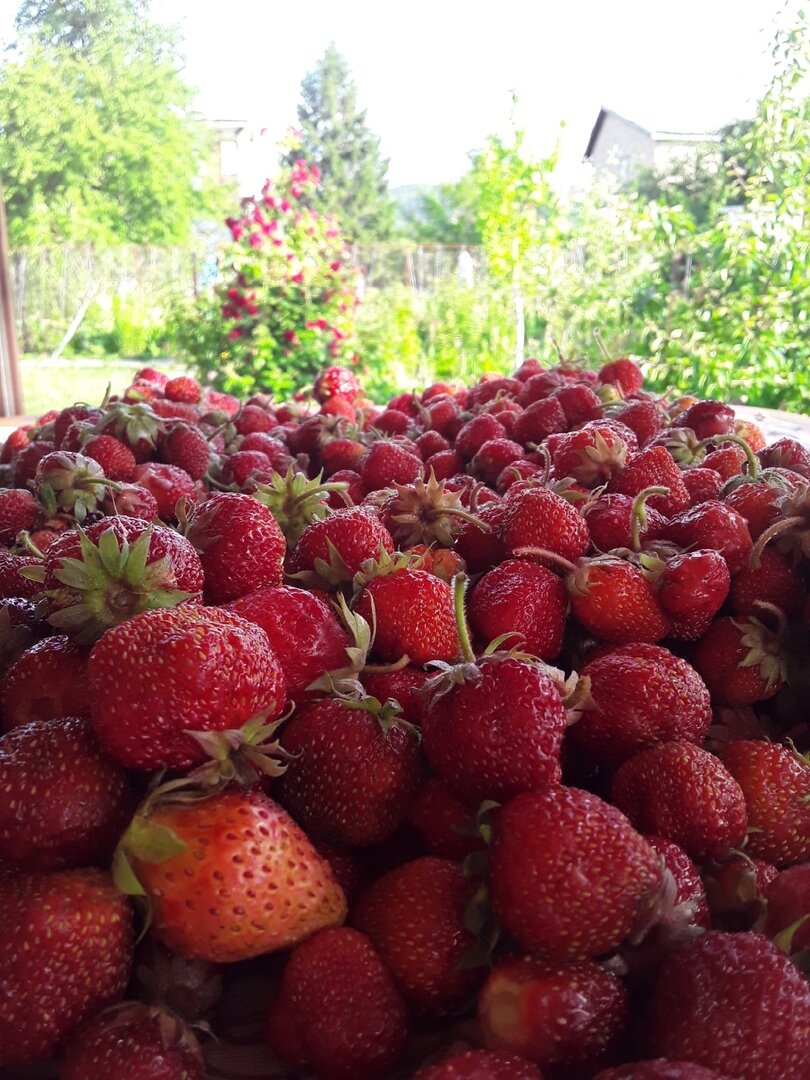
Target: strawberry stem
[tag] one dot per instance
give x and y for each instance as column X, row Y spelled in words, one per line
column 752, row 462
column 601, row 344
column 766, row 537
column 459, row 589
column 543, row 553
column 638, row 514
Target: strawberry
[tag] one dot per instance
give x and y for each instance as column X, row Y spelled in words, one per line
column 526, row 601
column 136, row 425
column 757, row 503
column 689, row 889
column 639, row 695
column 482, row 548
column 492, row 457
column 776, row 783
column 769, row 577
column 734, row 1003
column 16, row 441
column 491, row 386
column 116, row 460
column 164, row 673
column 412, row 614
column 414, row 916
column 623, row 373
column 539, row 518
column 336, row 381
column 494, row 728
column 63, row 803
column 569, row 877
column 183, row 388
column 614, row 600
column 610, row 521
column 424, row 513
column 788, row 899
column 539, row 420
column 253, row 418
column 729, row 461
column 240, row 543
column 736, row 891
column 243, row 469
column 476, row 432
column 339, row 975
column 692, row 588
column 168, row 484
column 681, row 792
column 46, row 683
column 150, row 374
column 786, row 454
column 644, row 418
column 27, row 462
column 539, row 385
column 579, row 403
column 130, row 500
column 712, row 525
column 479, row 1065
column 702, row 484
column 650, row 467
column 302, row 630
column 12, row 582
column 554, row 1015
column 388, row 463
column 118, row 568
column 431, row 442
column 186, row 448
column 330, row 552
column 141, row 1042
column 405, row 685
column 445, row 823
column 659, row 1069
column 740, row 660
column 20, row 628
column 228, row 878
column 18, row 512
column 353, row 769
column 592, row 454
column 65, row 953
column 706, row 418
column 70, row 483
column 392, row 422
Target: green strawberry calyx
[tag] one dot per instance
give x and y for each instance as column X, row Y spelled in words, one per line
column 295, row 501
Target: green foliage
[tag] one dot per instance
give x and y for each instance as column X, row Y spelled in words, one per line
column 284, row 305
column 445, row 215
column 119, row 159
column 335, row 138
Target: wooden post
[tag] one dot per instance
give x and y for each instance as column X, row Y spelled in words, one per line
column 11, row 400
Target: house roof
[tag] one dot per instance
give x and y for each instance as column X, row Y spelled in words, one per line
column 656, row 136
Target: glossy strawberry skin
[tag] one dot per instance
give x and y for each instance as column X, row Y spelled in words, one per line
column 414, row 916
column 569, row 877
column 553, row 1015
column 414, row 616
column 660, row 1069
column 681, row 792
column 63, row 803
column 497, row 733
column 653, row 466
column 689, row 888
column 616, row 603
column 337, row 1010
column 691, row 590
column 18, row 512
column 524, row 600
column 712, row 525
column 247, row 881
column 165, row 672
column 302, row 630
column 46, row 682
column 641, row 695
column 539, row 518
column 386, row 463
column 776, row 783
column 446, row 824
column 479, row 1065
column 720, row 656
column 65, row 953
column 355, row 534
column 735, row 1003
column 348, row 780
column 609, row 520
column 788, row 899
column 773, row 581
column 168, row 484
column 186, row 448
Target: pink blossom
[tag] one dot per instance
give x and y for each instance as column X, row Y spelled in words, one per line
column 255, row 239
column 236, row 226
column 234, row 334
column 285, row 206
column 335, row 265
column 298, row 278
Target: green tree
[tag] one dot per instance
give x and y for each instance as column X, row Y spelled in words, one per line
column 334, row 137
column 445, row 215
column 98, row 140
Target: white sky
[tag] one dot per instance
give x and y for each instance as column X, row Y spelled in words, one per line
column 436, row 75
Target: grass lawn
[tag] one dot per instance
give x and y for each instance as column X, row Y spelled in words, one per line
column 54, row 384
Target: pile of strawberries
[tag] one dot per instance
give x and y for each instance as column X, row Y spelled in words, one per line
column 476, row 725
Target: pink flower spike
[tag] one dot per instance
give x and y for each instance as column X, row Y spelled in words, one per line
column 255, row 240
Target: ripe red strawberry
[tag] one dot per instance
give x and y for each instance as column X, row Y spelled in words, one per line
column 65, row 953
column 645, row 418
column 776, row 783
column 228, row 877
column 615, row 601
column 786, row 454
column 771, row 578
column 659, row 1069
column 186, row 448
column 734, row 1003
column 445, row 823
column 240, row 543
column 392, row 422
column 130, row 500
column 491, row 386
column 482, row 548
column 330, row 552
column 63, row 803
column 539, row 518
column 539, row 385
column 479, row 1065
column 610, row 519
column 712, row 525
column 653, row 467
column 757, row 503
column 740, row 660
column 119, row 567
column 253, row 418
column 168, row 484
column 624, row 373
column 404, row 685
column 639, row 695
column 46, row 683
column 492, row 458
column 414, row 916
column 702, row 484
column 116, row 459
column 579, row 403
column 336, row 381
column 736, row 891
column 18, row 512
column 141, row 1042
column 788, row 899
column 495, row 728
column 681, row 792
column 352, row 772
column 70, row 483
column 729, row 461
column 136, row 425
column 594, row 453
column 689, row 888
column 164, row 673
column 569, row 877
column 388, row 463
column 552, row 1014
column 302, row 630
column 476, row 432
column 524, row 600
column 338, row 975
column 183, row 388
column 243, row 469
column 20, row 628
column 27, row 461
column 12, row 582
column 539, row 420
column 691, row 590
column 706, row 418
column 412, row 613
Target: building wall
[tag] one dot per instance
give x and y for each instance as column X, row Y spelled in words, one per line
column 621, row 148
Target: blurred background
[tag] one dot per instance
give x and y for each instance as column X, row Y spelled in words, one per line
column 248, row 194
